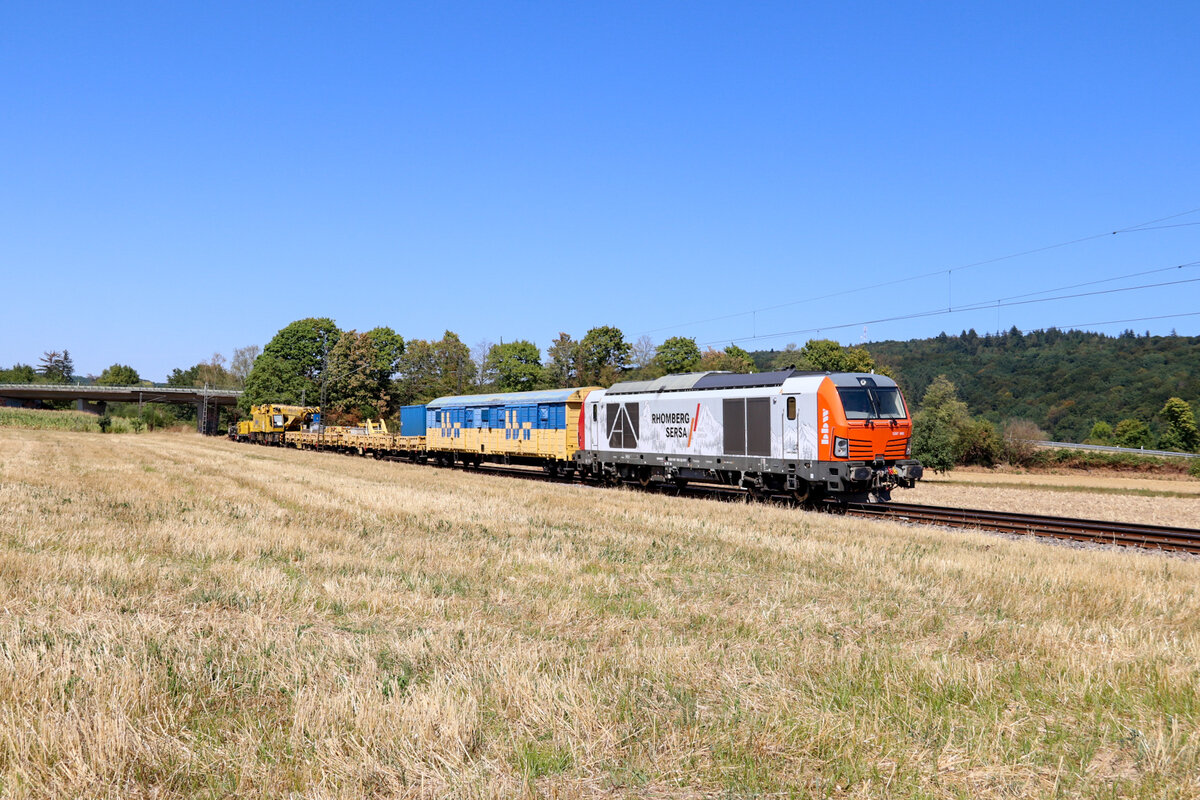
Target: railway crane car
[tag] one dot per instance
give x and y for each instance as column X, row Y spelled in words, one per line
column 805, row 434
column 270, row 422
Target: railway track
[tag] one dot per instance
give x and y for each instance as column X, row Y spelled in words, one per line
column 1157, row 537
column 1127, row 534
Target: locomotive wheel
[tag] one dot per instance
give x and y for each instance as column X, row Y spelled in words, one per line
column 643, row 477
column 802, row 493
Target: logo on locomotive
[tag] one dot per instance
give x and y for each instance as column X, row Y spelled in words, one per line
column 624, row 424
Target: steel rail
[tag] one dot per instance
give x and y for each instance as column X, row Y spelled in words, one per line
column 1127, row 534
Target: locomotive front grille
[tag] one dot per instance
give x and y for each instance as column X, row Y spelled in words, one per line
column 862, row 450
column 866, row 450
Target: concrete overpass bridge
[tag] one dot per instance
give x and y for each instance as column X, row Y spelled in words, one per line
column 208, row 402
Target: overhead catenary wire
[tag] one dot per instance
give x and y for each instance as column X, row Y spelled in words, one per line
column 1143, row 226
column 940, row 311
column 1102, row 280
column 1116, row 321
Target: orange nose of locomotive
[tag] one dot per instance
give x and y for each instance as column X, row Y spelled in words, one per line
column 868, row 420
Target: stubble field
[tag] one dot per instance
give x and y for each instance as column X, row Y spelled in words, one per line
column 182, row 617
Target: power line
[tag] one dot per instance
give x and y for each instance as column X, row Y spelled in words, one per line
column 990, row 304
column 1103, row 280
column 940, row 312
column 1120, row 321
column 1143, row 226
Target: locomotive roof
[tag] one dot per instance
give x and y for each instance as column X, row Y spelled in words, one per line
column 693, row 381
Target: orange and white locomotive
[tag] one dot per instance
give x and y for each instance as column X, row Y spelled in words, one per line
column 808, row 435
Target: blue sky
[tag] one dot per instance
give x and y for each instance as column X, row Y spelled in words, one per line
column 178, row 179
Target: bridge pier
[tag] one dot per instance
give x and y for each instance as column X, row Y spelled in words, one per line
column 208, row 418
column 98, row 408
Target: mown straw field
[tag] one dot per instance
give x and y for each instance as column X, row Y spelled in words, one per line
column 182, row 617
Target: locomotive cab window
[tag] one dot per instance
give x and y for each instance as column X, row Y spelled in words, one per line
column 871, row 402
column 791, row 408
column 595, row 412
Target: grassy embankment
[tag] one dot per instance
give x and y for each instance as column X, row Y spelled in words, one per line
column 43, row 420
column 76, row 421
column 1059, row 459
column 188, row 617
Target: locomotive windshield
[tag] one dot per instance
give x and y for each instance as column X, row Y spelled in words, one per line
column 872, row 402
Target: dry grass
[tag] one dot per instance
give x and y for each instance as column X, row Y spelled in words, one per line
column 190, row 617
column 1071, row 479
column 1165, row 508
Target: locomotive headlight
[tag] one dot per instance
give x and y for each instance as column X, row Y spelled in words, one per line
column 908, row 449
column 841, row 447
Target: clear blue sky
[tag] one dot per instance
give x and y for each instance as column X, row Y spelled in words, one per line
column 178, row 179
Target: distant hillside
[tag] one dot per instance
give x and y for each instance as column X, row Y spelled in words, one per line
column 1063, row 381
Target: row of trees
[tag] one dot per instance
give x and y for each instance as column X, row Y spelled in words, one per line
column 53, row 367
column 371, row 374
column 1175, row 423
column 57, row 367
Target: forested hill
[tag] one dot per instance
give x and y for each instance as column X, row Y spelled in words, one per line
column 1063, row 381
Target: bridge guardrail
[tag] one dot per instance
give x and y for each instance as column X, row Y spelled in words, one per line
column 1110, row 449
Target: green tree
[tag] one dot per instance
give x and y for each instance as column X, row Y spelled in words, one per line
column 936, row 425
column 183, row 378
column 1131, row 433
column 561, row 372
column 417, row 380
column 826, row 355
column 56, row 367
column 1102, row 433
column 976, row 442
column 453, row 365
column 119, row 375
column 516, row 365
column 602, row 355
column 1181, row 433
column 292, row 364
column 360, row 370
column 677, row 354
column 275, row 380
column 20, row 373
column 731, row 359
